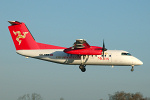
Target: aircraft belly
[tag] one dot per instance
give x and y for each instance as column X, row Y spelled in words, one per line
column 76, row 61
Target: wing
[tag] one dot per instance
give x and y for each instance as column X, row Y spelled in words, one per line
column 80, row 44
column 81, row 47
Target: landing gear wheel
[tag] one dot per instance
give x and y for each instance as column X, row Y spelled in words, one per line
column 82, row 67
column 132, row 69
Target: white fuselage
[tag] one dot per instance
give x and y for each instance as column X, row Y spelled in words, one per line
column 111, row 57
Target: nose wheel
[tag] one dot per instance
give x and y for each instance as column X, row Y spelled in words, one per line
column 132, row 69
column 82, row 67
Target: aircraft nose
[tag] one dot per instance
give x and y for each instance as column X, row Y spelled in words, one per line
column 138, row 62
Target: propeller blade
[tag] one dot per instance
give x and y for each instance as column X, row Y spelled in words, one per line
column 104, row 49
column 103, row 44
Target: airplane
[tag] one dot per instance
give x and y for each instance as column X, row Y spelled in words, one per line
column 81, row 53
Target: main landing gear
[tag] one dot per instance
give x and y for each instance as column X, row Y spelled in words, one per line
column 132, row 69
column 82, row 67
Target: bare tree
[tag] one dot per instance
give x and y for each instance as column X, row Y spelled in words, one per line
column 33, row 96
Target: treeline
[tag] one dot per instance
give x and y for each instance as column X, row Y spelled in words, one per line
column 116, row 96
column 127, row 96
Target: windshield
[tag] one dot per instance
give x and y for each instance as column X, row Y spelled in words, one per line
column 128, row 54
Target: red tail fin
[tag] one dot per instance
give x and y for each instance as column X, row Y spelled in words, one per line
column 21, row 36
column 23, row 40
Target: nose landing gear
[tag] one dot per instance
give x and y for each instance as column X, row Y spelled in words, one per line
column 82, row 67
column 132, row 69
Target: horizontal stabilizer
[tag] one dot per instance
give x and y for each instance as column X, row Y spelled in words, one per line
column 14, row 22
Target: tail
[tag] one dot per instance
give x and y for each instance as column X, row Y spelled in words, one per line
column 23, row 40
column 21, row 36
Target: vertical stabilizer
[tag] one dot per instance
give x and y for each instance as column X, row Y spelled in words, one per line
column 22, row 38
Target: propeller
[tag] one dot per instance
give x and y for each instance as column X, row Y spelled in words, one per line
column 103, row 49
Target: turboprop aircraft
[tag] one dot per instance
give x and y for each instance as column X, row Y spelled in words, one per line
column 81, row 53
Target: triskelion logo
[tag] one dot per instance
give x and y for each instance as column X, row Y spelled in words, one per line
column 20, row 36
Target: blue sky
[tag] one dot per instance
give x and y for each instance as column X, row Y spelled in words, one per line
column 124, row 25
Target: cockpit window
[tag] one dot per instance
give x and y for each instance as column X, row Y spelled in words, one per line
column 128, row 54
